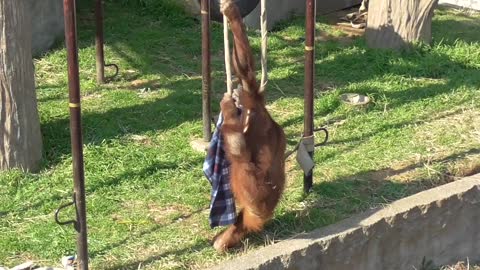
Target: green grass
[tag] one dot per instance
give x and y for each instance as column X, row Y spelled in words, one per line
column 147, row 197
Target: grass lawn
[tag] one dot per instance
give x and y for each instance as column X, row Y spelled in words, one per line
column 147, row 196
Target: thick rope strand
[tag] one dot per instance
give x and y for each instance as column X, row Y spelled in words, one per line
column 226, row 43
column 263, row 21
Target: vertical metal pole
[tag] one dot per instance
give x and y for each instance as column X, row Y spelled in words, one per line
column 206, row 78
column 99, row 41
column 309, row 76
column 76, row 132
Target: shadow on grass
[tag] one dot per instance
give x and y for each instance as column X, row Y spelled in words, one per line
column 159, row 115
column 106, row 184
column 144, row 233
column 145, row 173
column 177, row 253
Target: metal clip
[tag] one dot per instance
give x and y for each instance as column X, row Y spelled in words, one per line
column 303, row 156
column 323, row 129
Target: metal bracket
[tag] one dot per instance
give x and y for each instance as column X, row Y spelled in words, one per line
column 68, row 222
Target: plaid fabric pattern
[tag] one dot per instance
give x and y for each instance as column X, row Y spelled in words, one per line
column 217, row 170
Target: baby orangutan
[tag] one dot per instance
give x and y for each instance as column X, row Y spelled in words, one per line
column 254, row 144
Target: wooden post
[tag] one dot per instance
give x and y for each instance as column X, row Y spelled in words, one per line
column 396, row 23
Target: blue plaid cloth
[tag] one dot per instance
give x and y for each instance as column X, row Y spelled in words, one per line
column 217, row 170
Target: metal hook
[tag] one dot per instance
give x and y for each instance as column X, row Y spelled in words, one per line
column 63, row 206
column 116, row 71
column 326, row 136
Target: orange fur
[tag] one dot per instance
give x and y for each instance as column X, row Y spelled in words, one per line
column 256, row 154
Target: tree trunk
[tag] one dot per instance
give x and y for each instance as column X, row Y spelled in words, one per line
column 396, row 23
column 20, row 137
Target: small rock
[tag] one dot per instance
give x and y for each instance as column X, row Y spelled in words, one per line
column 199, row 145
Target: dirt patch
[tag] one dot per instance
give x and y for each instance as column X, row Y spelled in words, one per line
column 164, row 214
column 144, row 83
column 92, row 96
column 346, row 39
column 141, row 139
column 161, row 215
column 335, row 19
column 325, row 86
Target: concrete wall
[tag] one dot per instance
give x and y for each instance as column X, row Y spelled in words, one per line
column 471, row 4
column 278, row 10
column 441, row 224
column 47, row 23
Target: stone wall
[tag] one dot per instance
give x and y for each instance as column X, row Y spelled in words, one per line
column 441, row 225
column 47, row 24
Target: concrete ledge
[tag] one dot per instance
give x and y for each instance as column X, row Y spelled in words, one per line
column 441, row 224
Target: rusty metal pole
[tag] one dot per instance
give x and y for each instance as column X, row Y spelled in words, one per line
column 309, row 77
column 76, row 132
column 99, row 41
column 206, row 71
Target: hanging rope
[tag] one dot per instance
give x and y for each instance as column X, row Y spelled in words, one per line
column 226, row 43
column 263, row 60
column 263, row 21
